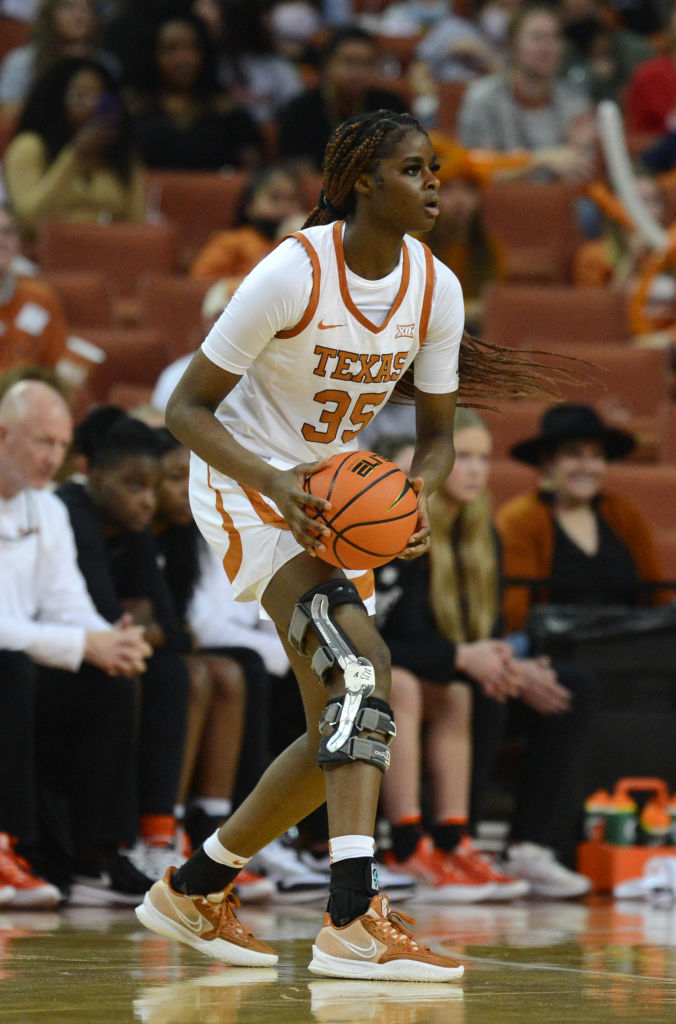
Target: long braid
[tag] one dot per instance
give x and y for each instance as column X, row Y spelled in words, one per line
column 487, row 371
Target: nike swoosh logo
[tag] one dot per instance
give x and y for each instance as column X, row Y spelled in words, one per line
column 327, row 327
column 195, row 922
column 365, row 952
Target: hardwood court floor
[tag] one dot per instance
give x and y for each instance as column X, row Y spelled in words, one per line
column 530, row 963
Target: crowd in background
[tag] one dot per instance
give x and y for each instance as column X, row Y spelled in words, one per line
column 140, row 703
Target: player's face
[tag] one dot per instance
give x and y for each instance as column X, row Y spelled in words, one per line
column 469, row 475
column 126, row 493
column 173, row 502
column 576, row 471
column 405, row 187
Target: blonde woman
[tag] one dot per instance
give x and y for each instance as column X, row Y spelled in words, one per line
column 440, row 616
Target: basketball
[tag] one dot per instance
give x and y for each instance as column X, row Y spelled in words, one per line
column 374, row 509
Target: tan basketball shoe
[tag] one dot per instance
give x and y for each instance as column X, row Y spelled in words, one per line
column 378, row 945
column 207, row 923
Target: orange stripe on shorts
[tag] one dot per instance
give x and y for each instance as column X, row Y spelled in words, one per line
column 365, row 584
column 232, row 559
column 265, row 512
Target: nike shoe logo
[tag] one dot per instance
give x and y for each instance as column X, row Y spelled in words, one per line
column 195, row 922
column 327, row 327
column 365, row 952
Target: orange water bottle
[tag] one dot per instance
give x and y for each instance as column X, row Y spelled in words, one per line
column 654, row 823
column 621, row 820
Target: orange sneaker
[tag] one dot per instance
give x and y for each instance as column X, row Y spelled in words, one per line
column 17, row 874
column 207, row 923
column 476, row 865
column 377, row 945
column 440, row 881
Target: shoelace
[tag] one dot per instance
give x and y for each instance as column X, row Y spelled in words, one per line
column 394, row 927
column 228, row 904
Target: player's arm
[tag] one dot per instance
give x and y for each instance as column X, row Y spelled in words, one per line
column 191, row 418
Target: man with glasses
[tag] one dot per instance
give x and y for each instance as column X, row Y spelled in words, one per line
column 47, row 618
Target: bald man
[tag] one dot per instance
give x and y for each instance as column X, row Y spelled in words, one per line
column 47, row 618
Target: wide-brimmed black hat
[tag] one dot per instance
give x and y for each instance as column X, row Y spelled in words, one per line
column 571, row 423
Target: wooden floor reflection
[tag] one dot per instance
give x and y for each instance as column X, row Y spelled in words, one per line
column 528, row 963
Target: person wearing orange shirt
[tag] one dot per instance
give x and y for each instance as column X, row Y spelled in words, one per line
column 32, row 324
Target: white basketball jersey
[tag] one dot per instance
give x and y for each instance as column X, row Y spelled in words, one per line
column 312, row 389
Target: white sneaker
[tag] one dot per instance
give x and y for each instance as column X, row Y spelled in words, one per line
column 294, row 881
column 546, row 876
column 154, row 860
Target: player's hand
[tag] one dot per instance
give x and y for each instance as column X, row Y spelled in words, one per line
column 420, row 541
column 492, row 664
column 541, row 689
column 120, row 651
column 293, row 502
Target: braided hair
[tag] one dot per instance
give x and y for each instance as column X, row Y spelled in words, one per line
column 487, row 371
column 355, row 147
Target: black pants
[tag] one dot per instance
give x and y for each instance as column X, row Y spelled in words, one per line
column 18, row 787
column 161, row 731
column 550, row 785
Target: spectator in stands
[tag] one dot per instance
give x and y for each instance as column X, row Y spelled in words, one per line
column 650, row 100
column 183, row 119
column 600, row 55
column 111, row 517
column 528, row 108
column 621, row 258
column 62, row 28
column 586, row 545
column 256, row 75
column 456, row 50
column 32, row 325
column 72, row 157
column 76, row 723
column 349, row 64
column 269, row 207
column 441, row 619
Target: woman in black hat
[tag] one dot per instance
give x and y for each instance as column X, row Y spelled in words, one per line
column 586, row 545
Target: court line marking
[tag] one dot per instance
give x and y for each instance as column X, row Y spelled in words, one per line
column 565, row 970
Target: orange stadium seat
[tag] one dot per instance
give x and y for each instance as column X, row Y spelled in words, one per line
column 199, row 203
column 171, row 306
column 134, row 357
column 518, row 313
column 511, row 422
column 13, row 33
column 85, row 297
column 651, row 488
column 537, row 227
column 122, row 252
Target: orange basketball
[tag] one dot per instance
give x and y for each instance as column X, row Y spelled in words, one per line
column 374, row 509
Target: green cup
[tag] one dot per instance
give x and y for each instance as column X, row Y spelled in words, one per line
column 621, row 824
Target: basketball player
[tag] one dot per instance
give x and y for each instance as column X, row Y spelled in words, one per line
column 309, row 349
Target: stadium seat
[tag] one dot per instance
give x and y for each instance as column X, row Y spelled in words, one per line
column 134, row 357
column 171, row 306
column 511, row 422
column 536, row 226
column 666, row 548
column 199, row 203
column 122, row 252
column 13, row 33
column 651, row 488
column 85, row 297
column 515, row 313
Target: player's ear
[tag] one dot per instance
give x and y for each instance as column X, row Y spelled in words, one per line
column 364, row 184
